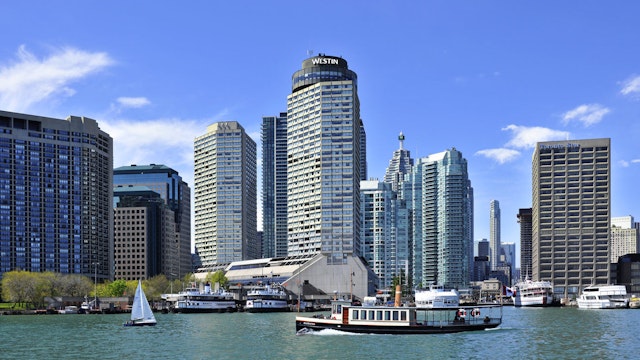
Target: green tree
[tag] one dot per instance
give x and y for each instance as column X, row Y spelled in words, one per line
column 117, row 288
column 217, row 277
column 156, row 286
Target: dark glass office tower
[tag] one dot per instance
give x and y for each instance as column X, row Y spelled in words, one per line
column 176, row 194
column 274, row 186
column 55, row 195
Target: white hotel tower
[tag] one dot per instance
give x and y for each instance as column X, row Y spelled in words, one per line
column 225, row 195
column 324, row 145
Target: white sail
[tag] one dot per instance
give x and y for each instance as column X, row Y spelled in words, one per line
column 141, row 311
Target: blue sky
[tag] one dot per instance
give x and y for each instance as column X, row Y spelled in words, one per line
column 489, row 78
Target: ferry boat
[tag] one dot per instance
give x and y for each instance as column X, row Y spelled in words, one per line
column 395, row 320
column 604, row 297
column 533, row 293
column 192, row 300
column 437, row 298
column 267, row 299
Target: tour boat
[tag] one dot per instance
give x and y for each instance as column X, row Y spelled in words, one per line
column 398, row 320
column 267, row 299
column 192, row 300
column 533, row 293
column 603, row 297
column 437, row 298
column 141, row 314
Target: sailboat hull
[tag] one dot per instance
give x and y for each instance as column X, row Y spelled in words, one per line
column 140, row 323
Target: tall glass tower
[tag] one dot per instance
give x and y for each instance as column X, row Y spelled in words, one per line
column 440, row 198
column 494, row 234
column 571, row 214
column 55, row 195
column 225, row 195
column 176, row 194
column 399, row 165
column 274, row 186
column 324, row 134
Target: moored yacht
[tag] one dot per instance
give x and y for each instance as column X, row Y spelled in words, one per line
column 533, row 293
column 267, row 299
column 437, row 298
column 603, row 297
column 192, row 300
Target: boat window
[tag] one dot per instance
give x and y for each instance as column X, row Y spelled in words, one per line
column 364, row 315
column 379, row 315
column 403, row 315
column 395, row 315
column 371, row 317
column 354, row 314
column 387, row 315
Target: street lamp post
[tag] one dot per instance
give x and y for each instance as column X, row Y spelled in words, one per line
column 95, row 293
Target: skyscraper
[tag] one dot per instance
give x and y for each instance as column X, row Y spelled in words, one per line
column 624, row 237
column 385, row 242
column 55, row 195
column 145, row 237
column 494, row 233
column 439, row 194
column 399, row 165
column 177, row 196
column 324, row 134
column 571, row 213
column 225, row 195
column 483, row 248
column 274, row 186
column 525, row 221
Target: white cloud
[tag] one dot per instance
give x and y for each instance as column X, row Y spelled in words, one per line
column 587, row 114
column 631, row 86
column 133, row 102
column 30, row 80
column 501, row 155
column 635, row 161
column 525, row 137
column 160, row 141
column 623, row 163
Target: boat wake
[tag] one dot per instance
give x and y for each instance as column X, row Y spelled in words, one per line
column 325, row 332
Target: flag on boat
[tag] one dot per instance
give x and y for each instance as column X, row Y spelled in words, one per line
column 507, row 291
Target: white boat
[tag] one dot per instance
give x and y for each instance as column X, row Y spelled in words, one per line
column 267, row 299
column 533, row 293
column 69, row 310
column 603, row 297
column 192, row 300
column 141, row 314
column 437, row 298
column 375, row 319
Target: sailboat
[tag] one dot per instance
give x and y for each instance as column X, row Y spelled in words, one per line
column 141, row 313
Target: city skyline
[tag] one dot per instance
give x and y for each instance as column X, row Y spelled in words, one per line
column 490, row 80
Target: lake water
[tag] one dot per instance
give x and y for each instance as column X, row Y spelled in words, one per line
column 526, row 333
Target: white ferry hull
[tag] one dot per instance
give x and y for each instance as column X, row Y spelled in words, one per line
column 257, row 306
column 533, row 301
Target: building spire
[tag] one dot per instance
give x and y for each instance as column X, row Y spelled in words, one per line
column 401, row 138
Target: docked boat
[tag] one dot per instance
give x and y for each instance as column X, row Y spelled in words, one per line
column 401, row 320
column 141, row 314
column 437, row 298
column 267, row 299
column 603, row 297
column 533, row 293
column 192, row 300
column 69, row 310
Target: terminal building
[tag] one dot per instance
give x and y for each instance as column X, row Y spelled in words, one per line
column 305, row 277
